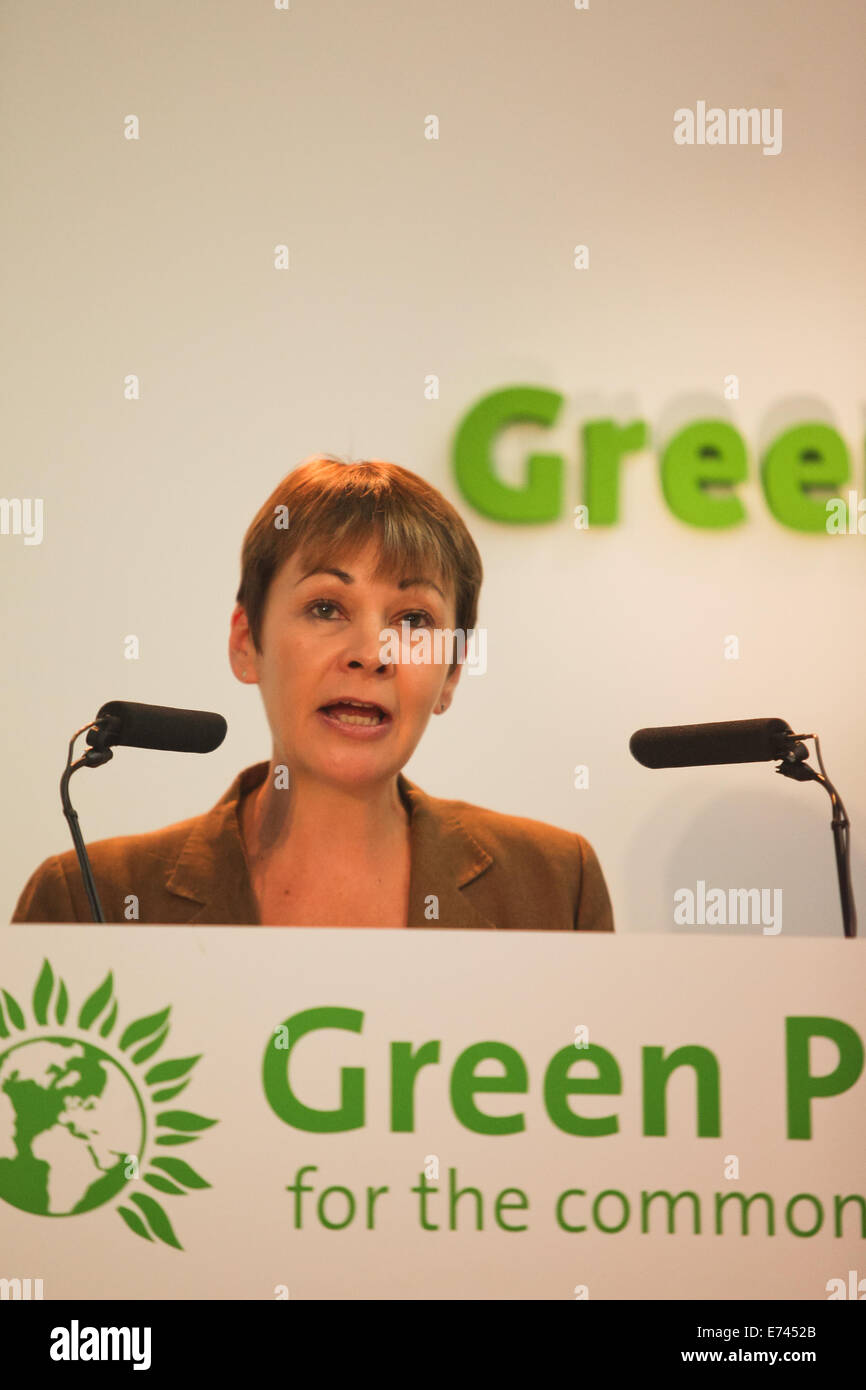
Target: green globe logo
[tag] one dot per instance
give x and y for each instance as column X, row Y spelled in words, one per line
column 77, row 1117
column 77, row 1120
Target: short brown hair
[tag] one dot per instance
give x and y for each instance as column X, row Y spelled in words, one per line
column 334, row 507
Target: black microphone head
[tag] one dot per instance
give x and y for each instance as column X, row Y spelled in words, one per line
column 132, row 725
column 699, row 745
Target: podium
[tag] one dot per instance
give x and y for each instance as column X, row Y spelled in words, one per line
column 265, row 1113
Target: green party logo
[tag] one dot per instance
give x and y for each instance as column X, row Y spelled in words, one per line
column 78, row 1119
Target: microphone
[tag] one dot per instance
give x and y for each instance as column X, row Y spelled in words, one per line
column 753, row 741
column 703, row 745
column 131, row 725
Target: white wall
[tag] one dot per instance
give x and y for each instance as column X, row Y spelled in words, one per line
column 454, row 257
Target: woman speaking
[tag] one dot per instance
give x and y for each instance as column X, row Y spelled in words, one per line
column 352, row 574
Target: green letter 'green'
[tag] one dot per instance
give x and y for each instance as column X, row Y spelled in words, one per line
column 541, row 498
column 464, row 1084
column 656, row 1072
column 808, row 456
column 802, row 1086
column 282, row 1098
column 405, row 1066
column 710, row 452
column 558, row 1084
column 605, row 444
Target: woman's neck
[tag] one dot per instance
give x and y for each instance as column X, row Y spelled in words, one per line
column 311, row 820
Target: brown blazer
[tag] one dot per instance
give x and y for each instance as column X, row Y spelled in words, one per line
column 486, row 869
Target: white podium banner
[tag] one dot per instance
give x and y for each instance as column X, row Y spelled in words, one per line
column 271, row 1113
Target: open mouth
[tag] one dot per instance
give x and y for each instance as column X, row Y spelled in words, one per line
column 356, row 712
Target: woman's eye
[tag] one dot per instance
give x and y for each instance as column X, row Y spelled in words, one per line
column 315, row 609
column 418, row 613
column 320, row 603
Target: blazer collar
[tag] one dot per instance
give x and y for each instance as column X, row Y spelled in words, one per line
column 212, row 868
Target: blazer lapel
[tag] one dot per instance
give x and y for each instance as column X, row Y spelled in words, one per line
column 211, row 870
column 445, row 859
column 212, row 873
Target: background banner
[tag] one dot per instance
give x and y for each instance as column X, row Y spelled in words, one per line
column 594, row 271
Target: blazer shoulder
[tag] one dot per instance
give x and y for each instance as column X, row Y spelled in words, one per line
column 508, row 831
column 539, row 854
column 55, row 891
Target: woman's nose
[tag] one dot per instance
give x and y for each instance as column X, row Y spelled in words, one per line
column 371, row 643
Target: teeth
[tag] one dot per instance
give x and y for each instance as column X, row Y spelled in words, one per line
column 367, row 714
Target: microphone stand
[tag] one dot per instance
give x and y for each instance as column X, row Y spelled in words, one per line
column 94, row 757
column 794, row 765
column 137, row 726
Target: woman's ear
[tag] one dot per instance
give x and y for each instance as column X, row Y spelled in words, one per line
column 242, row 652
column 446, row 694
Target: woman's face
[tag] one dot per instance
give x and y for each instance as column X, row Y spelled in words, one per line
column 321, row 644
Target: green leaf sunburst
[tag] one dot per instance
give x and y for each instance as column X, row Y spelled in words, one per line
column 65, row 1086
